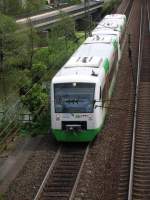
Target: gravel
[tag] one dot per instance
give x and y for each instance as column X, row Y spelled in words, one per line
column 26, row 184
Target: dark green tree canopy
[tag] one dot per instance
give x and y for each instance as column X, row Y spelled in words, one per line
column 8, row 28
column 17, row 7
column 10, row 7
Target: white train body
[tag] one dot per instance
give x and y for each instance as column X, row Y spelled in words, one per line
column 81, row 89
column 114, row 24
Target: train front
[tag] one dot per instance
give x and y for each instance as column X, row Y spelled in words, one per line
column 72, row 111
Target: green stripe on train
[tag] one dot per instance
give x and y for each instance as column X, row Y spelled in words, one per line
column 106, row 65
column 83, row 136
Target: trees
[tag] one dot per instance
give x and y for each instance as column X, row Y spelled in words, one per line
column 8, row 39
column 31, row 43
column 13, row 44
column 33, row 5
column 10, row 7
column 15, row 7
column 60, row 36
column 66, row 27
column 35, row 99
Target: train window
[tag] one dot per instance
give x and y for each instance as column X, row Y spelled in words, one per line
column 74, row 98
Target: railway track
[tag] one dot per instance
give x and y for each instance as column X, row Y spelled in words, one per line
column 125, row 7
column 139, row 185
column 63, row 174
column 134, row 31
column 135, row 180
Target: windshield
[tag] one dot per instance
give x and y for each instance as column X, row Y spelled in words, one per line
column 74, row 97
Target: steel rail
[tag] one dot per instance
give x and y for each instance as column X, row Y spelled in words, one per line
column 79, row 174
column 47, row 175
column 148, row 14
column 125, row 10
column 130, row 189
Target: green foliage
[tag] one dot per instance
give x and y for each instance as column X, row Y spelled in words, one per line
column 10, row 7
column 38, row 70
column 13, row 51
column 38, row 126
column 31, row 42
column 62, row 41
column 56, row 54
column 7, row 24
column 25, row 76
column 7, row 39
column 17, row 7
column 25, row 82
column 32, row 5
column 35, row 99
column 66, row 26
column 41, row 55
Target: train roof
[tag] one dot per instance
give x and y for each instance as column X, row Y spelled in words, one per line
column 115, row 16
column 106, row 31
column 110, row 23
column 110, row 26
column 88, row 60
column 92, row 52
column 91, row 60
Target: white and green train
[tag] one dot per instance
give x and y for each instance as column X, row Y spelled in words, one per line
column 82, row 88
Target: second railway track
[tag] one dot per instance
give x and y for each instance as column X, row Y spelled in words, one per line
column 135, row 180
column 139, row 187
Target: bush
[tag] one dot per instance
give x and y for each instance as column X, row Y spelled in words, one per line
column 35, row 99
column 25, row 82
column 38, row 70
column 42, row 56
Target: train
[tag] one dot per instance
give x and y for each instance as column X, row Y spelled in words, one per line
column 82, row 88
